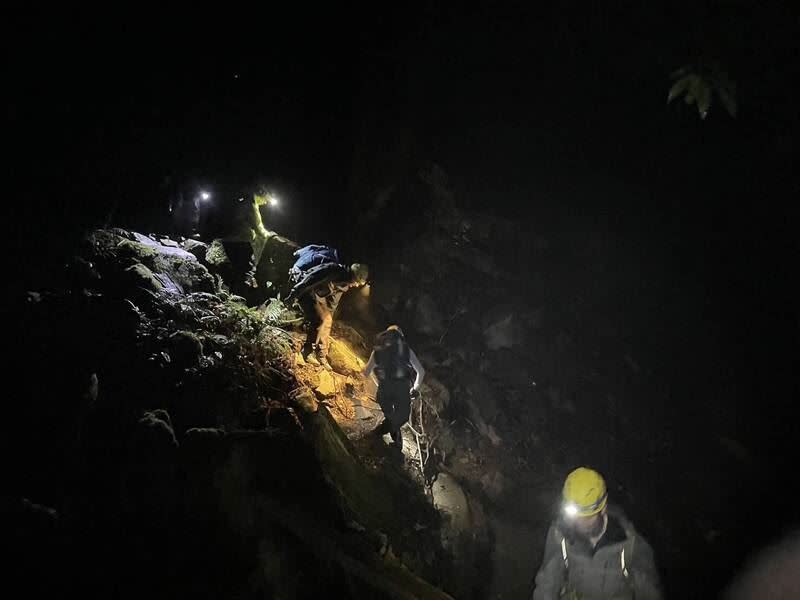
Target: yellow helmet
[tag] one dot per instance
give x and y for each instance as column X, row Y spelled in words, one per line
column 585, row 493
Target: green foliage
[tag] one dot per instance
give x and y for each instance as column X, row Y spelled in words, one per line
column 700, row 84
column 278, row 314
column 234, row 344
column 215, row 255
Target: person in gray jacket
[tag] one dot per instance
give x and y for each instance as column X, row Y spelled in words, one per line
column 592, row 551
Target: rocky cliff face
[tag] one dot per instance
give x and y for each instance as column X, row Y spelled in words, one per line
column 547, row 349
column 173, row 446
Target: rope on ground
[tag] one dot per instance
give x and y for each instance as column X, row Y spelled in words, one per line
column 420, row 436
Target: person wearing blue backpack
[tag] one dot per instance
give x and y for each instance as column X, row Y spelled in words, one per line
column 318, row 290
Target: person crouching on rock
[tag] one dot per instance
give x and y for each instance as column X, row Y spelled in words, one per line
column 318, row 292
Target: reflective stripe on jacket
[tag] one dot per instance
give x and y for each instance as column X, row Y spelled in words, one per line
column 619, row 567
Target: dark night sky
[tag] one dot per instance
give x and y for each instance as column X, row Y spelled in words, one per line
column 540, row 107
column 553, row 115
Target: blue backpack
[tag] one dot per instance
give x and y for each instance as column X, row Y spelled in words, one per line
column 311, row 256
column 317, row 277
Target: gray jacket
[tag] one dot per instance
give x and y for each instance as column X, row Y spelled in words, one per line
column 621, row 566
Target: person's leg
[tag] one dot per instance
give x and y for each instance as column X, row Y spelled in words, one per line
column 402, row 407
column 398, row 395
column 380, row 398
column 324, row 336
column 323, row 321
column 313, row 323
column 239, row 254
column 382, row 428
column 258, row 244
column 400, row 418
column 397, row 438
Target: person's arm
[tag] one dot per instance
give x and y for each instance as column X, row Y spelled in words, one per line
column 417, row 367
column 645, row 580
column 550, row 576
column 370, row 365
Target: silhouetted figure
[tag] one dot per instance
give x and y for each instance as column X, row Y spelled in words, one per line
column 233, row 216
column 185, row 198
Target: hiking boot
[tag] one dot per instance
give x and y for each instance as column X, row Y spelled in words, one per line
column 324, row 362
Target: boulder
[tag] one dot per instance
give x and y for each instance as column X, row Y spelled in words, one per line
column 147, row 263
column 436, row 394
column 326, row 385
column 343, row 359
column 494, row 485
column 427, row 318
column 450, row 500
column 501, row 333
column 505, row 327
column 139, row 276
column 185, row 348
column 196, row 248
